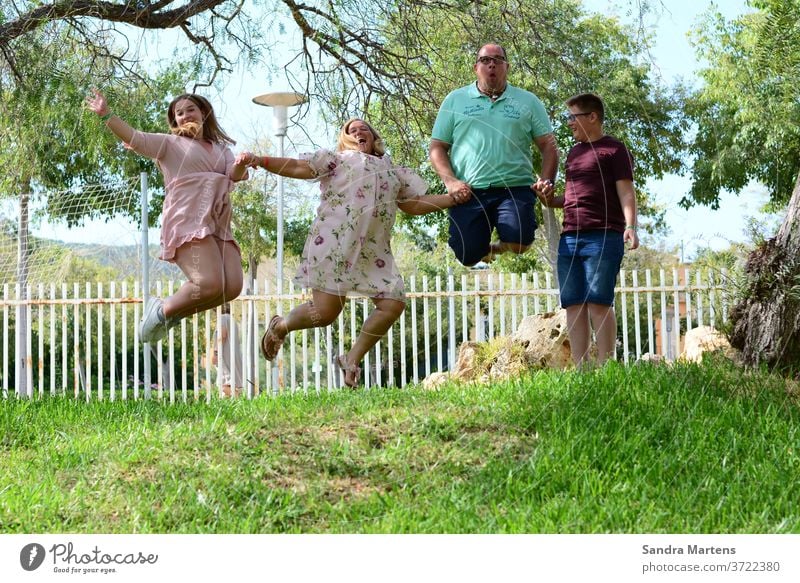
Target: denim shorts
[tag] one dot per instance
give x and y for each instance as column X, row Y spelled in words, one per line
column 588, row 265
column 509, row 210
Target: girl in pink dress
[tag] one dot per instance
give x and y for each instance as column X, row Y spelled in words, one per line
column 348, row 248
column 199, row 172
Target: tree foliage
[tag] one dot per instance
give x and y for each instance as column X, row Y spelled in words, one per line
column 51, row 142
column 747, row 110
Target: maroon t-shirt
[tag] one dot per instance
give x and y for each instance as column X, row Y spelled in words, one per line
column 591, row 200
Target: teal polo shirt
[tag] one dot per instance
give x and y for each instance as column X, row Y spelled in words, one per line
column 491, row 142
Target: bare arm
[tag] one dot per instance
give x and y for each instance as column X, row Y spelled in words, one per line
column 238, row 171
column 97, row 103
column 422, row 205
column 288, row 167
column 549, row 150
column 440, row 160
column 627, row 198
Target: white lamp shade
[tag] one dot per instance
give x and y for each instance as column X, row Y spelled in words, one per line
column 280, row 102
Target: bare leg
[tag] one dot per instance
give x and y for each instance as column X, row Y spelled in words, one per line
column 579, row 332
column 386, row 313
column 499, row 247
column 604, row 322
column 233, row 278
column 321, row 311
column 201, row 263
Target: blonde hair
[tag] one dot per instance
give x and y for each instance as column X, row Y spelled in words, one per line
column 211, row 130
column 348, row 142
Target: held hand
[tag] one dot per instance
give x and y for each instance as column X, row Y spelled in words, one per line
column 631, row 237
column 97, row 103
column 545, row 191
column 459, row 191
column 244, row 159
column 248, row 159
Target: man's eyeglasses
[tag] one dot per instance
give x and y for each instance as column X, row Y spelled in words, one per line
column 495, row 60
column 574, row 116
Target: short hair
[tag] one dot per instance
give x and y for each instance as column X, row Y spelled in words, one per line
column 348, row 142
column 588, row 102
column 501, row 47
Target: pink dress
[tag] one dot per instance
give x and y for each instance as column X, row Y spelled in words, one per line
column 198, row 184
column 348, row 249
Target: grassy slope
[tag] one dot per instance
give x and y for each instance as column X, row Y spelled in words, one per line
column 643, row 449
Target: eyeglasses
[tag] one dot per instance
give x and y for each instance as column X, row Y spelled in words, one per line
column 495, row 60
column 574, row 116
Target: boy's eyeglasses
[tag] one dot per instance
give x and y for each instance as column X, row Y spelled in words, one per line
column 574, row 116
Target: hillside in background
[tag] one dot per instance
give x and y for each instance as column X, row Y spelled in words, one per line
column 58, row 262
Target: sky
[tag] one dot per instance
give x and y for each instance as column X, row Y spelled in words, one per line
column 690, row 230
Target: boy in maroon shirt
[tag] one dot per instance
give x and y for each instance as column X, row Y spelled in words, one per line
column 599, row 205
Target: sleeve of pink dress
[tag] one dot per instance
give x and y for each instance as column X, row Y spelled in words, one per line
column 150, row 145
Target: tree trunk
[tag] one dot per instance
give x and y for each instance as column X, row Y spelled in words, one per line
column 766, row 322
column 552, row 231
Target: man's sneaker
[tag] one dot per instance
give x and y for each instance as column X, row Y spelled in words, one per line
column 152, row 328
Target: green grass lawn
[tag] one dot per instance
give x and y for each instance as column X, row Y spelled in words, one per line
column 649, row 448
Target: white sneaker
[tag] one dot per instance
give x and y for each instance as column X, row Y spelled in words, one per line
column 151, row 328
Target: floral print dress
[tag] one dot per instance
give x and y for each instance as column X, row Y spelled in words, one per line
column 348, row 248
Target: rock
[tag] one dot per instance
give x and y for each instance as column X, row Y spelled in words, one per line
column 702, row 340
column 435, row 380
column 546, row 339
column 465, row 363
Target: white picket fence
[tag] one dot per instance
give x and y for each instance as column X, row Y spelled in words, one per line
column 83, row 340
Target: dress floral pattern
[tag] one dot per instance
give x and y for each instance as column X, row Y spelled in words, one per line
column 348, row 248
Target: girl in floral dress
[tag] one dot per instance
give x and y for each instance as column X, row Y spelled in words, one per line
column 348, row 248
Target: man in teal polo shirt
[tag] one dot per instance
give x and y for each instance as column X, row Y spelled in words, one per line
column 481, row 149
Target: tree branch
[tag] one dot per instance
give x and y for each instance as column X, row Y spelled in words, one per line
column 139, row 14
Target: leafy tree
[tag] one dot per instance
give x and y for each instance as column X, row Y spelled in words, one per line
column 253, row 223
column 52, row 143
column 746, row 116
column 747, row 109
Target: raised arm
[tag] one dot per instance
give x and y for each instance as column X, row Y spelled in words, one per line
column 97, row 103
column 288, row 167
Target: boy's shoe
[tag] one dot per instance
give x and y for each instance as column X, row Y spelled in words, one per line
column 152, row 328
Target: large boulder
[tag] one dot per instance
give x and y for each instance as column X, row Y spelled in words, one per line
column 541, row 341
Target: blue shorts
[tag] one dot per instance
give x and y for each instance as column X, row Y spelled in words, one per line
column 510, row 210
column 588, row 265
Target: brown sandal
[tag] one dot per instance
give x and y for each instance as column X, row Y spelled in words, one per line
column 341, row 364
column 270, row 342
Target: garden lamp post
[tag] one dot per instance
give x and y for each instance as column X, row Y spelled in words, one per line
column 280, row 102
